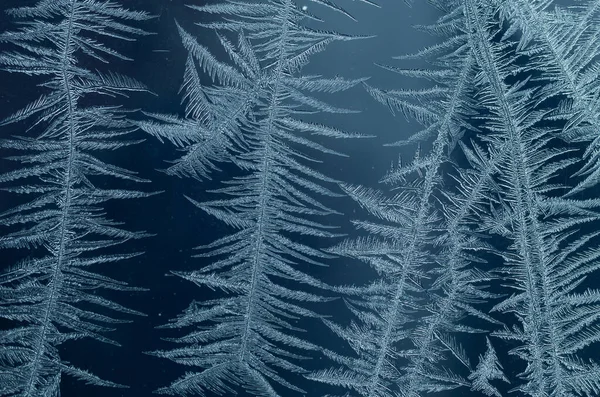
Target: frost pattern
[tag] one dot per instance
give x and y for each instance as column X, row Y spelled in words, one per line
column 51, row 297
column 491, row 212
column 247, row 338
column 484, row 243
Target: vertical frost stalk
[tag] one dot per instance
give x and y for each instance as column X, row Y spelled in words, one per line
column 433, row 169
column 264, row 192
column 247, row 339
column 43, row 295
column 56, row 279
column 511, row 112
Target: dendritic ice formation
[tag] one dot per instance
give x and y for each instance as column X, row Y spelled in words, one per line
column 480, row 254
column 50, row 296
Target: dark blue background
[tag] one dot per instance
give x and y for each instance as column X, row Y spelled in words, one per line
column 178, row 225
